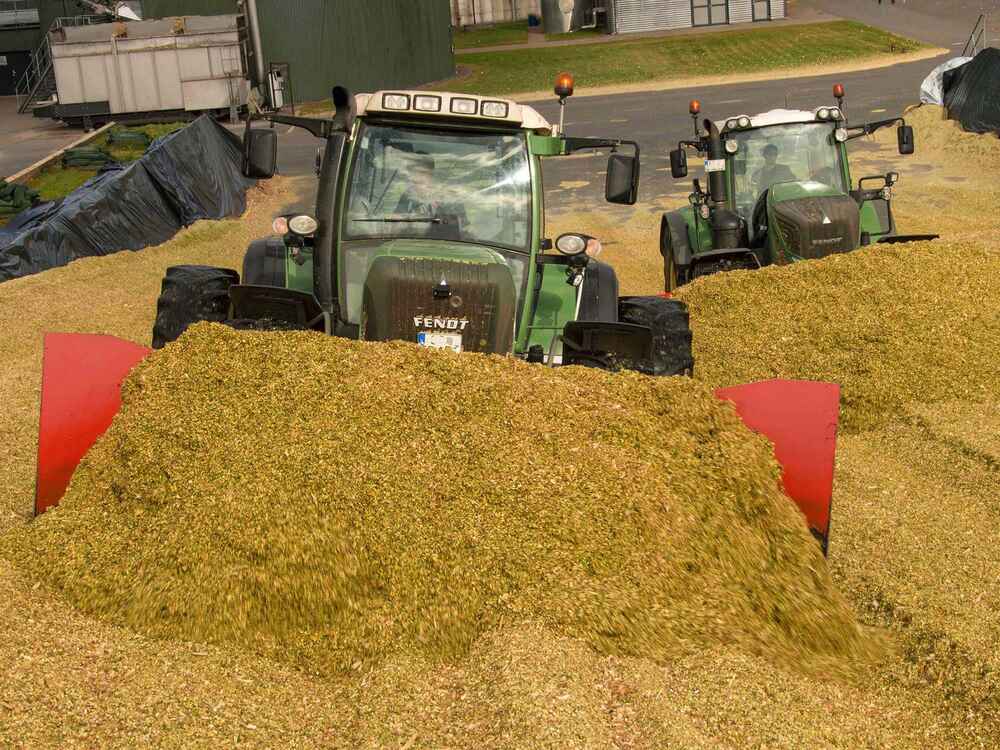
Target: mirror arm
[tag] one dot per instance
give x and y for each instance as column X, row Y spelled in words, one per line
column 696, row 145
column 572, row 145
column 319, row 128
column 870, row 127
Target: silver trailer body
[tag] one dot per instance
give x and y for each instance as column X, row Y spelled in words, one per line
column 189, row 63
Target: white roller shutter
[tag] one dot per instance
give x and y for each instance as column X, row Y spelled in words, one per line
column 740, row 11
column 651, row 15
column 777, row 9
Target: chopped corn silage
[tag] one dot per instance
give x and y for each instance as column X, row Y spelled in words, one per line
column 893, row 324
column 331, row 502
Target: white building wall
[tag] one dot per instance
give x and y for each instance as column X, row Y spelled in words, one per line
column 740, row 11
column 469, row 12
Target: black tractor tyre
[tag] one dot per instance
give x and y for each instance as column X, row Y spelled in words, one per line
column 670, row 324
column 189, row 295
column 264, row 263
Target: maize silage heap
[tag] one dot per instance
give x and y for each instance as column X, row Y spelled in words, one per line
column 331, row 503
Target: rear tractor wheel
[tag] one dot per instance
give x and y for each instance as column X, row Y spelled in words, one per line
column 669, row 322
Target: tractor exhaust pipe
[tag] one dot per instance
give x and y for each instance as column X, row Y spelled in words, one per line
column 716, row 180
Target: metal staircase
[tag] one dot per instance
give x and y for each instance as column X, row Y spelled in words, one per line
column 38, row 83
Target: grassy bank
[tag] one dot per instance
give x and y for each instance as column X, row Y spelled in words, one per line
column 56, row 181
column 489, row 36
column 667, row 58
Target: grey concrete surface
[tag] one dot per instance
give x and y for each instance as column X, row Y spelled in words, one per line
column 25, row 139
column 657, row 120
column 946, row 23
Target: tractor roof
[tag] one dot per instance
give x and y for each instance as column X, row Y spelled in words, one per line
column 779, row 117
column 448, row 106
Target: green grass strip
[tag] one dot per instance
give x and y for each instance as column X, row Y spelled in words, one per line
column 675, row 57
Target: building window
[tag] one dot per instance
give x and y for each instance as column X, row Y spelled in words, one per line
column 709, row 12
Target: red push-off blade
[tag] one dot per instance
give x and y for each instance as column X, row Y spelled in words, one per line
column 82, row 376
column 800, row 418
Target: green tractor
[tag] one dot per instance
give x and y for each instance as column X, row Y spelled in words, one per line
column 429, row 228
column 779, row 191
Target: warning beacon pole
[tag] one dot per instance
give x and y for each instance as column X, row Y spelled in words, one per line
column 564, row 90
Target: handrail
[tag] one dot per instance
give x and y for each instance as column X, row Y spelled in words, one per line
column 40, row 64
column 975, row 36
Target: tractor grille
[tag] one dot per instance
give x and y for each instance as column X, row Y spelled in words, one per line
column 817, row 227
column 404, row 297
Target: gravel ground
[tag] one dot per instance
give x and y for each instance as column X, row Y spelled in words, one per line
column 910, row 550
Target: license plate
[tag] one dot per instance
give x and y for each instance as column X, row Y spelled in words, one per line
column 451, row 341
column 715, row 165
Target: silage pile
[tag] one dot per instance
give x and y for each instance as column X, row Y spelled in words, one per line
column 332, row 503
column 893, row 324
column 939, row 139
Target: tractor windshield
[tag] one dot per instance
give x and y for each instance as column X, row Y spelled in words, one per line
column 426, row 184
column 784, row 153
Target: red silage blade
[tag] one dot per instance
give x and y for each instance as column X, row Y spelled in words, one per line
column 82, row 376
column 800, row 418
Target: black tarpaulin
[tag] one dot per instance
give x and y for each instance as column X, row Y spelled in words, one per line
column 972, row 93
column 188, row 175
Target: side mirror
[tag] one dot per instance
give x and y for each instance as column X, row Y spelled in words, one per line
column 260, row 153
column 622, row 183
column 678, row 163
column 904, row 134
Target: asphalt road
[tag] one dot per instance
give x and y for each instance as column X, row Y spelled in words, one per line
column 657, row 120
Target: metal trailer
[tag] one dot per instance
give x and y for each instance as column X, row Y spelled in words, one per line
column 144, row 70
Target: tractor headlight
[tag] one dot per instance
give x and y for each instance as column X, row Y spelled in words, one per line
column 280, row 225
column 840, row 134
column 823, row 113
column 303, row 225
column 744, row 122
column 395, row 101
column 836, row 114
column 464, row 106
column 571, row 244
column 427, row 103
column 494, row 109
column 732, row 146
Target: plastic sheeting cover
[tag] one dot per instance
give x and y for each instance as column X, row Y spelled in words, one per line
column 188, row 175
column 972, row 93
column 932, row 89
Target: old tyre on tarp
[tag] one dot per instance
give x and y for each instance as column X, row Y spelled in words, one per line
column 669, row 322
column 191, row 294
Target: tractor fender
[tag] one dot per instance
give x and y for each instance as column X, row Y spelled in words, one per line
column 674, row 238
column 599, row 293
column 264, row 262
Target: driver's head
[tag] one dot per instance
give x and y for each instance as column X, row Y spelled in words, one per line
column 770, row 154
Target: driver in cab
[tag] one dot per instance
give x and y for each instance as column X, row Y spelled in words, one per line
column 772, row 172
column 418, row 197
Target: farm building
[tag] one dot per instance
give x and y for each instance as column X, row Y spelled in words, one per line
column 317, row 43
column 619, row 16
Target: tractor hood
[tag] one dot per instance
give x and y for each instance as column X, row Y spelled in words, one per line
column 811, row 220
column 454, row 295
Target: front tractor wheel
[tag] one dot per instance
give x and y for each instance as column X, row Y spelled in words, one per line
column 189, row 295
column 669, row 322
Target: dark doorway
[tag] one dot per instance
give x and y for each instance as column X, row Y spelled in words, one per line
column 709, row 12
column 761, row 10
column 12, row 67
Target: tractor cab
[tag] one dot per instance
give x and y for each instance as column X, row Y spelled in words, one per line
column 779, row 190
column 429, row 227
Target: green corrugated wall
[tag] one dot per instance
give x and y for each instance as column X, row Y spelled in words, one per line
column 363, row 44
